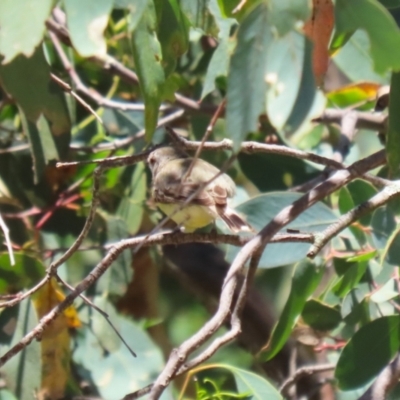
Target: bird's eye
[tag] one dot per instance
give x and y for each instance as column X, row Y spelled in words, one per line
column 152, row 160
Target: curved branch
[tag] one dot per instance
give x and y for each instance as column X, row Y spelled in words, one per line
column 322, row 238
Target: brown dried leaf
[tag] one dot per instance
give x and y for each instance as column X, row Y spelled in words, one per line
column 319, row 29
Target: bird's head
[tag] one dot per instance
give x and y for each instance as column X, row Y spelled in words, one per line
column 159, row 157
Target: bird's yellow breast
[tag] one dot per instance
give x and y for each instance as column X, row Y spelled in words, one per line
column 191, row 216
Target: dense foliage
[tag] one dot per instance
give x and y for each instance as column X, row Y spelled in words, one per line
column 300, row 90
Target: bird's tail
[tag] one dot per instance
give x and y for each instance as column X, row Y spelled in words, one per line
column 234, row 221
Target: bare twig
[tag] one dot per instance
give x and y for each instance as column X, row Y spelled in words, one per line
column 304, row 371
column 365, row 120
column 348, row 128
column 173, row 237
column 116, row 68
column 101, row 312
column 322, row 238
column 67, row 88
column 122, row 143
column 83, row 89
column 207, row 133
column 256, row 147
column 17, row 299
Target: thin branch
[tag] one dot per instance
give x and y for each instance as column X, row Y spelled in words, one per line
column 365, row 120
column 172, row 237
column 101, row 312
column 67, row 88
column 304, row 371
column 322, row 238
column 81, row 88
column 13, row 302
column 227, row 337
column 116, row 68
column 348, row 129
column 122, row 143
column 207, row 133
column 88, row 223
column 251, row 147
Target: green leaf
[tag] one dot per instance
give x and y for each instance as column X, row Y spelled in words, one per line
column 353, row 305
column 22, row 26
column 262, row 209
column 393, row 133
column 219, row 62
column 23, row 371
column 135, row 8
column 320, row 316
column 368, row 352
column 117, row 277
column 26, row 272
column 196, row 12
column 305, row 279
column 117, row 372
column 383, row 223
column 173, row 34
column 339, row 39
column 350, row 279
column 286, row 13
column 131, row 207
column 355, row 61
column 102, row 329
column 391, row 252
column 43, row 146
column 252, row 384
column 86, row 25
column 361, row 95
column 246, row 79
column 290, row 81
column 288, row 171
column 228, row 6
column 361, row 192
column 27, row 80
column 6, row 395
column 346, row 202
column 386, row 292
column 148, row 61
column 380, row 26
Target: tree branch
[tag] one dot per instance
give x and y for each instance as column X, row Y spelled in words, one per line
column 253, row 249
column 322, row 238
column 365, row 120
column 304, row 371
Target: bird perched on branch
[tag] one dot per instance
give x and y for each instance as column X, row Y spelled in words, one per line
column 192, row 192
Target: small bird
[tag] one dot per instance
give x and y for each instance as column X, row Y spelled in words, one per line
column 173, row 184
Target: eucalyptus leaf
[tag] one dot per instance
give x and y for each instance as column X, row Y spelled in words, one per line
column 252, row 384
column 305, row 279
column 148, row 61
column 86, row 25
column 22, row 32
column 380, row 26
column 368, row 352
column 246, row 79
column 23, row 371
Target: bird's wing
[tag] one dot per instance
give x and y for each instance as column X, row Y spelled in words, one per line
column 168, row 186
